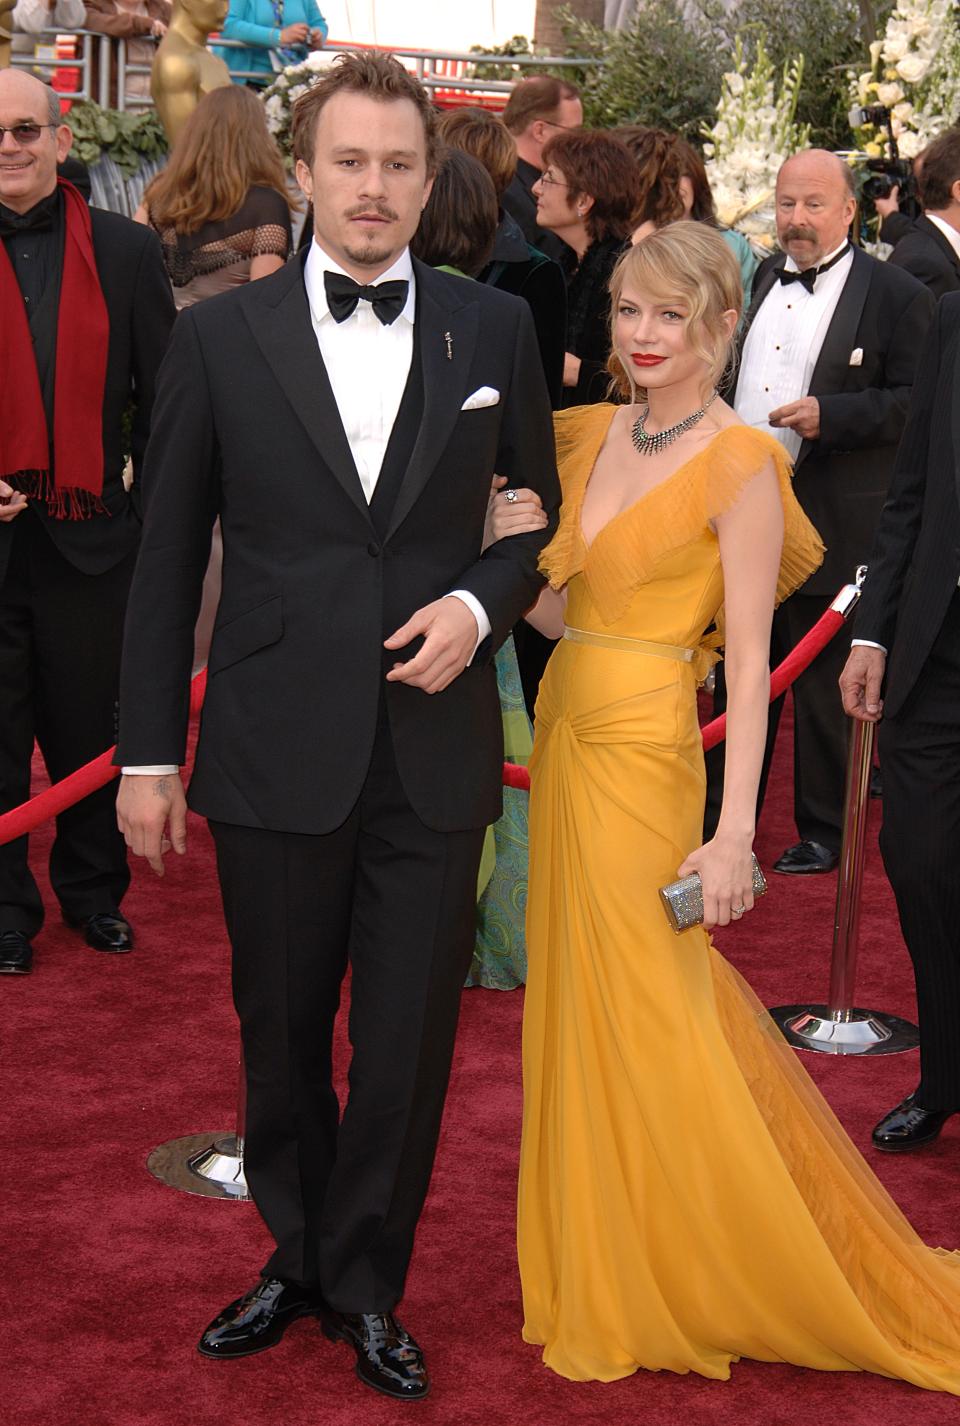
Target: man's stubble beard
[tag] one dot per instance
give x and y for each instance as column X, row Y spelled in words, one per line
column 370, row 254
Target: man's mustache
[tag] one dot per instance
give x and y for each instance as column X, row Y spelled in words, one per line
column 796, row 231
column 365, row 209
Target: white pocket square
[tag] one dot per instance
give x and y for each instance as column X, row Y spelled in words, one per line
column 856, row 356
column 483, row 396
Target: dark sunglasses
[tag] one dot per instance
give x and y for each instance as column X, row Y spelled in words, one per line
column 25, row 133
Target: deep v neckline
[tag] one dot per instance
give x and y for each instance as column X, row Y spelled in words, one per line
column 586, row 545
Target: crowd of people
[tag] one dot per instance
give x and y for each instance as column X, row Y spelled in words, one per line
column 515, row 445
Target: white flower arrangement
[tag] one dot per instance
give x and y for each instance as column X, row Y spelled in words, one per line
column 280, row 96
column 915, row 72
column 754, row 133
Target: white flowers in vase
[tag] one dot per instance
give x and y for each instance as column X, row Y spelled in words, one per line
column 755, row 131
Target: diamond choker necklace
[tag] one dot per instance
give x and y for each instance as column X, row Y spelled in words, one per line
column 647, row 445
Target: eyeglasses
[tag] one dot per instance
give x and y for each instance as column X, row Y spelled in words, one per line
column 570, row 128
column 24, row 134
column 547, row 177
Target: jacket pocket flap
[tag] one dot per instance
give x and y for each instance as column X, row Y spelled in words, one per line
column 245, row 633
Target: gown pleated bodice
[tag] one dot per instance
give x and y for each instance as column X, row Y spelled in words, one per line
column 686, row 1195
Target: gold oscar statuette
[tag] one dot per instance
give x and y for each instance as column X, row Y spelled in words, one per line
column 184, row 69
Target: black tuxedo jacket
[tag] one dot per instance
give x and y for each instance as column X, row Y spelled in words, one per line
column 926, row 253
column 246, row 427
column 841, row 479
column 915, row 561
column 140, row 307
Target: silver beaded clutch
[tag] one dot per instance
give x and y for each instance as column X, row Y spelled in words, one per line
column 683, row 900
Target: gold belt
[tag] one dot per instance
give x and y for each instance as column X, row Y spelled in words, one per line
column 632, row 646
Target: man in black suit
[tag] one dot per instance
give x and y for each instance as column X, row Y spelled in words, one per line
column 536, row 109
column 930, row 249
column 344, row 419
column 907, row 643
column 827, row 365
column 85, row 313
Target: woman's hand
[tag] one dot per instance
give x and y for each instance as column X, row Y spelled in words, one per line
column 519, row 516
column 295, row 34
column 726, row 871
column 158, row 29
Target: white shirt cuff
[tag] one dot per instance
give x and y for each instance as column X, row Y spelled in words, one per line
column 867, row 644
column 478, row 612
column 151, row 770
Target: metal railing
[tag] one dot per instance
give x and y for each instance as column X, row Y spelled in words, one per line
column 102, row 56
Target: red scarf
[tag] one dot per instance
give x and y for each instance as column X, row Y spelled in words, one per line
column 71, row 482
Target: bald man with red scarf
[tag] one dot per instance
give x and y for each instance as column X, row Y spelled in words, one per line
column 85, row 313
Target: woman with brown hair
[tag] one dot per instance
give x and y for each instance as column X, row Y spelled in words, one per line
column 587, row 194
column 674, row 185
column 514, row 265
column 221, row 206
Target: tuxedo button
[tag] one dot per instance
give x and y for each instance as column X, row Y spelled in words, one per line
column 373, row 549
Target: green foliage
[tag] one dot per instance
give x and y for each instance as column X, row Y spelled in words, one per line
column 828, row 33
column 518, row 45
column 127, row 138
column 665, row 70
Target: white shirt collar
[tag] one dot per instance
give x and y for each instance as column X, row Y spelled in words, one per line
column 949, row 232
column 791, row 266
column 318, row 262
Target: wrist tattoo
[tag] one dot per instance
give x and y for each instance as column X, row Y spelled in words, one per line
column 161, row 788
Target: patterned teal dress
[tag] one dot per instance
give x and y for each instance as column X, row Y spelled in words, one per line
column 500, row 952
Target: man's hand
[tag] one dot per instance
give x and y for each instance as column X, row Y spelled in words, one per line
column 12, row 503
column 450, row 633
column 891, row 204
column 861, row 681
column 146, row 806
column 802, row 416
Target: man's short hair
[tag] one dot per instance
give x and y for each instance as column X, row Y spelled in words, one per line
column 538, row 98
column 940, row 170
column 369, row 72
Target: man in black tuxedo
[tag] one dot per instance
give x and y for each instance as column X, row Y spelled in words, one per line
column 827, row 364
column 907, row 644
column 930, row 249
column 350, row 752
column 85, row 313
column 537, row 108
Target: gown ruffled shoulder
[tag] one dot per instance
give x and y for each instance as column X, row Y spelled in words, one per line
column 669, row 517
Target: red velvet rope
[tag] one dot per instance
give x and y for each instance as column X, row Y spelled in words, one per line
column 96, row 774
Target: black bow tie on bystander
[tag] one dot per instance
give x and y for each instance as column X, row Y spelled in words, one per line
column 387, row 299
column 809, row 277
column 37, row 219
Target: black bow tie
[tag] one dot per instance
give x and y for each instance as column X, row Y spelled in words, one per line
column 37, row 219
column 387, row 299
column 808, row 278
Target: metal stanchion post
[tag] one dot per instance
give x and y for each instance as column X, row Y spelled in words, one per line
column 207, row 1164
column 841, row 1028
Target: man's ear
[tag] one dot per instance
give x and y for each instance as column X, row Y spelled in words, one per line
column 304, row 179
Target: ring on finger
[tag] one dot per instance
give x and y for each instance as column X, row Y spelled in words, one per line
column 737, row 911
column 511, row 496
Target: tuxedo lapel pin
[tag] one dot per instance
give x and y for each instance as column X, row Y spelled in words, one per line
column 449, row 341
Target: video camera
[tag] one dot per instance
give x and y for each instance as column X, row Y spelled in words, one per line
column 893, row 171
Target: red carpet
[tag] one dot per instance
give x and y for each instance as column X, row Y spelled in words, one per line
column 110, row 1277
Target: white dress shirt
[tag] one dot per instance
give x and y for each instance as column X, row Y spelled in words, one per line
column 948, row 231
column 367, row 363
column 783, row 344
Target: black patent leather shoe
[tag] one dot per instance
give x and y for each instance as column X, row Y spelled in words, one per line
column 909, row 1126
column 105, row 931
column 806, row 859
column 16, row 953
column 388, row 1359
column 258, row 1319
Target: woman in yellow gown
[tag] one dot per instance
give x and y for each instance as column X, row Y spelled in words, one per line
column 686, row 1196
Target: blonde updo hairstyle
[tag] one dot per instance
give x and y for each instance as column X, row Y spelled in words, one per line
column 684, row 262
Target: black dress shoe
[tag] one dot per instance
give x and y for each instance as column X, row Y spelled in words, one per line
column 388, row 1359
column 16, row 953
column 806, row 859
column 258, row 1319
column 105, row 931
column 909, row 1126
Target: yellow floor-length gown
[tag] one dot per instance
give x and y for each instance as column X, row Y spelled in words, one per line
column 686, row 1196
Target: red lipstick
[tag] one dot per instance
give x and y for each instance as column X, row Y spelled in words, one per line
column 646, row 359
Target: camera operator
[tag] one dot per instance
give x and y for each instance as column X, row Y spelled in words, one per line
column 930, row 247
column 894, row 222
